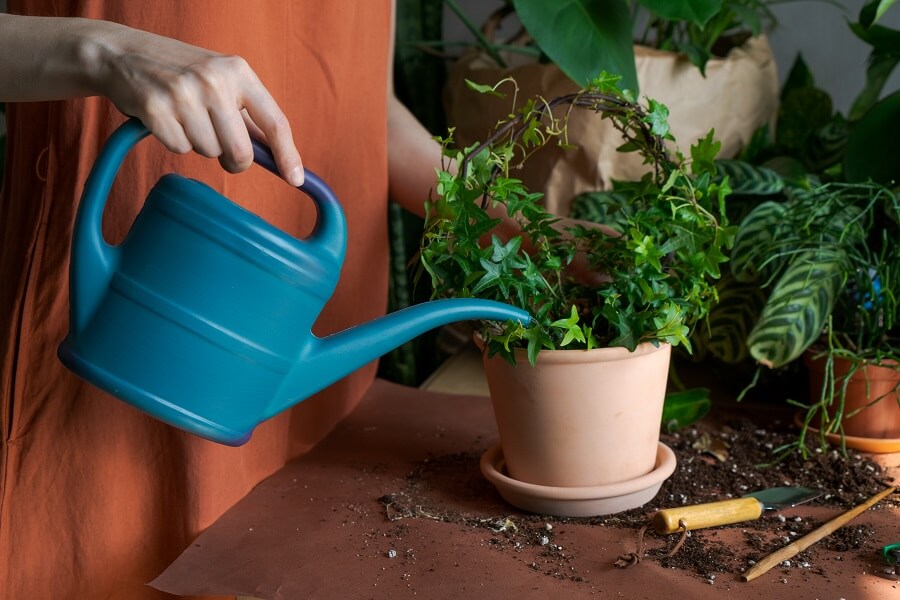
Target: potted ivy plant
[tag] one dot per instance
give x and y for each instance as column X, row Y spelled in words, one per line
column 709, row 62
column 578, row 394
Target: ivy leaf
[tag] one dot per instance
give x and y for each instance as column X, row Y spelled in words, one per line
column 658, row 118
column 623, row 327
column 506, row 253
column 703, row 154
column 571, row 327
column 484, row 89
column 537, row 340
column 491, row 277
column 646, row 250
column 606, row 83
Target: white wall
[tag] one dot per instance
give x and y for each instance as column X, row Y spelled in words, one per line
column 816, row 28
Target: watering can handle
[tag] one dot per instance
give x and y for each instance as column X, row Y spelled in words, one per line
column 330, row 231
column 94, row 261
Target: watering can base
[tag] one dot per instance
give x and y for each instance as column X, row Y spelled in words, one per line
column 148, row 403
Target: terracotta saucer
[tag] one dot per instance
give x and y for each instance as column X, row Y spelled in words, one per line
column 863, row 444
column 577, row 501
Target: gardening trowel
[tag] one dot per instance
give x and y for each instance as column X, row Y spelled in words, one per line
column 745, row 508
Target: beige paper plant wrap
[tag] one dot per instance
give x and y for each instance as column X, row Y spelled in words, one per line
column 738, row 95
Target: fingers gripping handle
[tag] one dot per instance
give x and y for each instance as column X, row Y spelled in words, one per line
column 711, row 514
column 330, row 232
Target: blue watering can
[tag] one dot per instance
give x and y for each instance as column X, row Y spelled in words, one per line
column 202, row 316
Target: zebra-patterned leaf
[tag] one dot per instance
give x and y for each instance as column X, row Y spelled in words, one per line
column 764, row 223
column 748, row 180
column 610, row 208
column 732, row 319
column 845, row 227
column 827, row 145
column 798, row 307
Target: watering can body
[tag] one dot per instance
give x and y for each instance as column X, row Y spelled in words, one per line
column 202, row 316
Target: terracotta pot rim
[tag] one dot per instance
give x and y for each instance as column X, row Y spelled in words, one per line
column 874, row 445
column 812, row 362
column 565, row 356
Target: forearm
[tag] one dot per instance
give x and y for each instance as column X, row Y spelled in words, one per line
column 413, row 156
column 189, row 97
column 47, row 58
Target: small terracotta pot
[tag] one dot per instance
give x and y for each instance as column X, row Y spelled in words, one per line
column 882, row 419
column 580, row 418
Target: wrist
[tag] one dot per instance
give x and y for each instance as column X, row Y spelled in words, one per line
column 94, row 45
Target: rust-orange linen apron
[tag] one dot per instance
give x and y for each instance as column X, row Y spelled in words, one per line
column 96, row 498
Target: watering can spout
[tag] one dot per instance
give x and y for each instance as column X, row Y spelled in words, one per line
column 337, row 355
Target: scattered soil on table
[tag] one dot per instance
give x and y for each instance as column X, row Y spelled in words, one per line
column 714, row 463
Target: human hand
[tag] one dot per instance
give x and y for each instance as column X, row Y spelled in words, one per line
column 194, row 99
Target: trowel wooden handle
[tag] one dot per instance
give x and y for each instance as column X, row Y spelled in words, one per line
column 712, row 514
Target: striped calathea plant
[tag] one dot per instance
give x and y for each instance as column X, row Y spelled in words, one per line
column 830, row 262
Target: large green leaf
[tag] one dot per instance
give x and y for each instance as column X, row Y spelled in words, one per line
column 872, row 148
column 873, row 10
column 732, row 318
column 685, row 408
column 880, row 66
column 764, row 223
column 826, row 146
column 698, row 12
column 798, row 307
column 879, row 37
column 583, row 37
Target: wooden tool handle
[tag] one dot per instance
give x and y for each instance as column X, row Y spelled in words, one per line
column 812, row 537
column 711, row 514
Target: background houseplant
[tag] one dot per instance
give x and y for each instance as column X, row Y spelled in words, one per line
column 658, row 268
column 819, row 242
column 562, row 30
column 574, row 40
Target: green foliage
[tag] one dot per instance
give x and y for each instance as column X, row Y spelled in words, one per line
column 832, row 257
column 585, row 37
column 818, row 248
column 564, row 29
column 685, row 408
column 836, row 147
column 870, row 150
column 658, row 275
column 798, row 307
column 749, row 180
column 732, row 319
column 702, row 29
column 826, row 253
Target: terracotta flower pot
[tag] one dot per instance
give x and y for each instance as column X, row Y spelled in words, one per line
column 881, row 421
column 580, row 418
